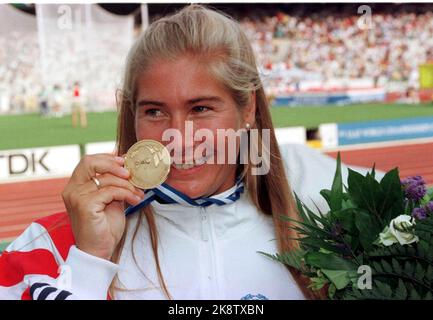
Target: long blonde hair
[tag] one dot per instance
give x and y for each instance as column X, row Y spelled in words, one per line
column 211, row 36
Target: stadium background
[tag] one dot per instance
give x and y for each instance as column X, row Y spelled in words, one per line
column 341, row 77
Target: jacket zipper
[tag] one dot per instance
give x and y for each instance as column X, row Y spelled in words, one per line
column 207, row 235
column 204, row 229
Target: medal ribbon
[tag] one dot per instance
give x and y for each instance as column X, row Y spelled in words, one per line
column 170, row 195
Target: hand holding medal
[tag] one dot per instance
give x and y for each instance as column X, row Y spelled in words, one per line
column 99, row 186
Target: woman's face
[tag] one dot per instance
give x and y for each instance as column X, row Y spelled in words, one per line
column 170, row 93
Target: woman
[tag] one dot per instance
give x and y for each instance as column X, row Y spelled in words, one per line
column 197, row 66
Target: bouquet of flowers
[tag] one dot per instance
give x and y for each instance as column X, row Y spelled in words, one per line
column 376, row 241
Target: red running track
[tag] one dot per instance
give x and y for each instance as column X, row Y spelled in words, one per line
column 21, row 203
column 412, row 159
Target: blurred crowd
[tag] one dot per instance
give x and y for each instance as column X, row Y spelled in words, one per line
column 388, row 47
column 19, row 79
column 39, row 69
column 318, row 47
column 23, row 87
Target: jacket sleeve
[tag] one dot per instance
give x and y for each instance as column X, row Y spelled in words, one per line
column 46, row 265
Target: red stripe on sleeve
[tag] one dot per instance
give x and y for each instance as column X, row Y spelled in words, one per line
column 26, row 295
column 15, row 265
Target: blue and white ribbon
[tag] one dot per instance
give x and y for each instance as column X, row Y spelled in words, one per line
column 171, row 195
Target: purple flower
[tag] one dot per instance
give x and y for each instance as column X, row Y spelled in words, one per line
column 414, row 188
column 336, row 230
column 419, row 213
column 413, row 180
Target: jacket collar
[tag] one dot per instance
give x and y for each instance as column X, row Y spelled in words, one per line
column 223, row 221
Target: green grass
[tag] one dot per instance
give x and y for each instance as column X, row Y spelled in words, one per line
column 311, row 117
column 24, row 131
column 30, row 130
column 3, row 246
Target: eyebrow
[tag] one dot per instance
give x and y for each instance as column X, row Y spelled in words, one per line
column 144, row 102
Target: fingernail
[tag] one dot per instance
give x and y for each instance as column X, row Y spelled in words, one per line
column 124, row 172
column 138, row 198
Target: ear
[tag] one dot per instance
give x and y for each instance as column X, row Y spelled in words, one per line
column 249, row 114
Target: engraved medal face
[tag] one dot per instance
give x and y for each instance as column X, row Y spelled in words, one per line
column 148, row 162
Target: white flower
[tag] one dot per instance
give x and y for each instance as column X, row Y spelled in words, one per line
column 400, row 230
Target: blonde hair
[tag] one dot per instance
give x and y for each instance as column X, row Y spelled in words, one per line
column 212, row 37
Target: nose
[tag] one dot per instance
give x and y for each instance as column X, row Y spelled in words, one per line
column 181, row 146
column 178, row 122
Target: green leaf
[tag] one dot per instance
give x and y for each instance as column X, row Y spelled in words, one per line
column 414, row 295
column 314, row 218
column 368, row 228
column 410, row 251
column 328, row 261
column 318, row 209
column 396, row 266
column 307, row 216
column 386, row 266
column 400, row 292
column 423, row 248
column 430, row 193
column 346, row 218
column 425, row 237
column 373, row 171
column 430, row 255
column 300, row 207
column 428, row 296
column 360, row 258
column 392, row 204
column 336, row 196
column 340, row 278
column 408, row 269
column 419, row 272
column 429, row 273
column 318, row 243
column 308, row 228
column 377, row 266
column 318, row 283
column 331, row 291
column 384, row 289
column 366, row 193
column 352, row 295
column 353, row 241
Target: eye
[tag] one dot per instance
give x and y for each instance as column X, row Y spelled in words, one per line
column 154, row 113
column 200, row 109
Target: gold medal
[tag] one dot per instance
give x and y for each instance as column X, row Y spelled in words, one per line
column 148, row 162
